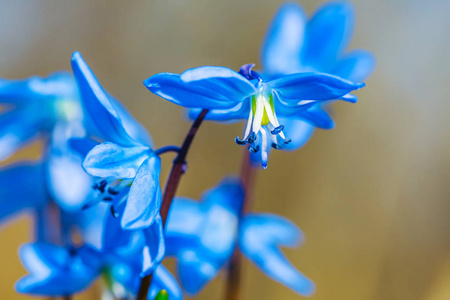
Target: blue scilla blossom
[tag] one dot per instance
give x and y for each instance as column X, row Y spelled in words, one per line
column 294, row 43
column 121, row 257
column 49, row 109
column 230, row 95
column 126, row 161
column 203, row 235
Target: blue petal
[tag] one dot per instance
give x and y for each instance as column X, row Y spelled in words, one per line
column 68, row 183
column 260, row 238
column 131, row 125
column 355, row 66
column 327, row 34
column 18, row 128
column 223, row 80
column 312, row 86
column 24, row 91
column 196, row 269
column 98, row 104
column 162, row 279
column 144, row 199
column 21, row 187
column 111, row 160
column 82, row 146
column 183, row 224
column 170, row 87
column 284, row 40
column 54, row 271
column 240, row 111
column 298, row 131
column 155, row 246
column 317, row 117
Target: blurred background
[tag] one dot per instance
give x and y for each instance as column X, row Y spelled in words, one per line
column 372, row 196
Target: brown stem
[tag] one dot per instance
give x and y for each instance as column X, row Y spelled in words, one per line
column 233, row 283
column 178, row 169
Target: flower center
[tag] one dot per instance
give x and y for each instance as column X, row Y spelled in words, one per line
column 263, row 124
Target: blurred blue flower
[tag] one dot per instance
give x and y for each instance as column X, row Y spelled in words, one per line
column 202, row 236
column 122, row 257
column 246, row 95
column 46, row 108
column 126, row 160
column 295, row 44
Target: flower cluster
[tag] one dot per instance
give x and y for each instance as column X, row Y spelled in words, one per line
column 95, row 192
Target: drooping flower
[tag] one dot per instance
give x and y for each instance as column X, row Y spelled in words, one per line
column 230, row 95
column 203, row 235
column 126, row 162
column 295, row 44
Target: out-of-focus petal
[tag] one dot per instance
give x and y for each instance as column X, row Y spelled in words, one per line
column 355, row 66
column 144, row 198
column 98, row 104
column 154, row 249
column 298, row 131
column 327, row 34
column 282, row 45
column 170, row 87
column 261, row 235
column 111, row 160
column 18, row 128
column 21, row 187
column 312, row 86
column 24, row 91
column 163, row 280
column 54, row 271
column 82, row 146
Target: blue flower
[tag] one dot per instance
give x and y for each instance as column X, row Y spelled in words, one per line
column 49, row 109
column 202, row 236
column 295, row 44
column 230, row 95
column 126, row 160
column 121, row 257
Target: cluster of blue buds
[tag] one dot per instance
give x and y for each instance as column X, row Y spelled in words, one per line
column 95, row 192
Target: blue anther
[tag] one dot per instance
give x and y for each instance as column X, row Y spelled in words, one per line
column 277, row 130
column 253, row 149
column 287, row 141
column 112, row 191
column 277, row 146
column 113, row 212
column 251, row 139
column 240, row 142
column 107, row 199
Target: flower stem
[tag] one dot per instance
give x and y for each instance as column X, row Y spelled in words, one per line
column 233, row 283
column 178, row 169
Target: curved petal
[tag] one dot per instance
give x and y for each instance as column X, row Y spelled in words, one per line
column 135, row 129
column 82, row 146
column 355, row 66
column 21, row 187
column 54, row 271
column 23, row 91
column 284, row 40
column 239, row 112
column 327, row 34
column 312, row 86
column 98, row 105
column 154, row 249
column 111, row 160
column 224, row 81
column 18, row 128
column 298, row 131
column 170, row 87
column 144, row 199
column 260, row 238
column 163, row 280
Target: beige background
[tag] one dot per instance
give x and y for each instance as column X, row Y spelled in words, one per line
column 372, row 195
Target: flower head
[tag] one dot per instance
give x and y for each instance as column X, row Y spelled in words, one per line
column 247, row 95
column 203, row 235
column 294, row 43
column 126, row 161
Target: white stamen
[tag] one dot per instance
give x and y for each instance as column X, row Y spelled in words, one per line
column 263, row 147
